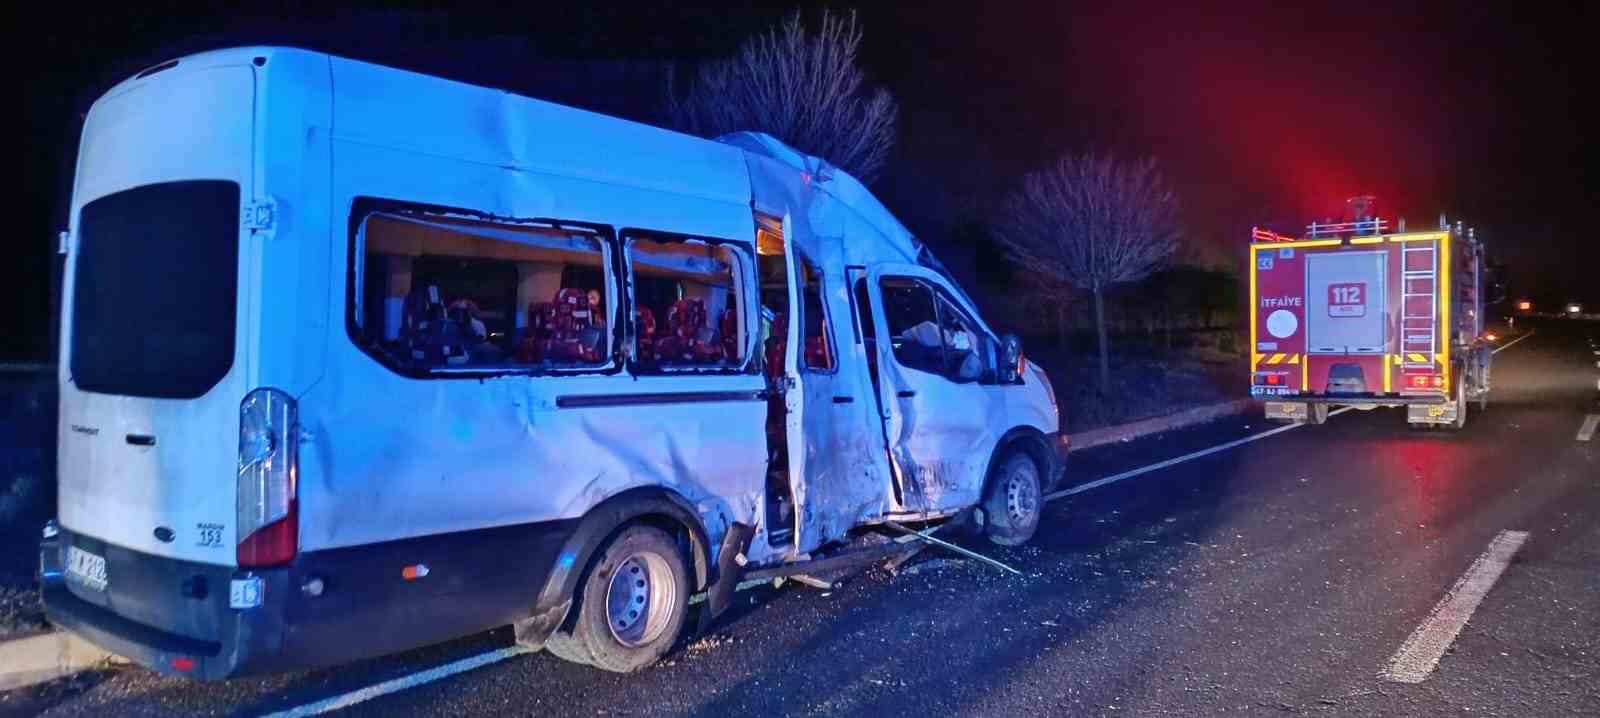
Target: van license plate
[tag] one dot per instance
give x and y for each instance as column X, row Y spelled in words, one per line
column 86, row 568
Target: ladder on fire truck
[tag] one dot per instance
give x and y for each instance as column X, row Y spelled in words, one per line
column 1419, row 304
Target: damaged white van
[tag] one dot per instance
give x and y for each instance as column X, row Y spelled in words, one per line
column 356, row 360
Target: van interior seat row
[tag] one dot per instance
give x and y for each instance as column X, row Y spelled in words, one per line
column 816, row 346
column 564, row 329
column 688, row 339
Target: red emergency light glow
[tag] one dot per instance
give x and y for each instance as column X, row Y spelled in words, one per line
column 1274, row 379
column 182, row 663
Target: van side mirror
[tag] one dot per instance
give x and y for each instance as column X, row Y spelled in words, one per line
column 1011, row 359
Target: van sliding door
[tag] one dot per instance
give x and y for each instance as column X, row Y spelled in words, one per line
column 837, row 463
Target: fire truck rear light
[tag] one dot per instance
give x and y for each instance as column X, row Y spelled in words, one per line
column 1274, row 379
column 1419, row 381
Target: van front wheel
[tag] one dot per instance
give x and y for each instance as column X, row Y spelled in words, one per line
column 1012, row 508
column 634, row 600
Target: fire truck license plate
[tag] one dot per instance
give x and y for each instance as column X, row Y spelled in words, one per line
column 1348, row 299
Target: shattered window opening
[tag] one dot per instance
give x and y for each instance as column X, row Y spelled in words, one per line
column 964, row 351
column 688, row 302
column 929, row 332
column 914, row 329
column 817, row 329
column 437, row 295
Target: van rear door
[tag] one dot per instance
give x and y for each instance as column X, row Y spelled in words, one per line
column 155, row 341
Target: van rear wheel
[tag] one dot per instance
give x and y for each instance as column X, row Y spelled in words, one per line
column 1012, row 508
column 634, row 601
column 569, row 648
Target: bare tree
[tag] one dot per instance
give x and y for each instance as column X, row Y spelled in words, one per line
column 1092, row 221
column 800, row 86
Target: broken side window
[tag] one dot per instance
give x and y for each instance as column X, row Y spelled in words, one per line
column 817, row 328
column 964, row 349
column 439, row 294
column 914, row 332
column 687, row 298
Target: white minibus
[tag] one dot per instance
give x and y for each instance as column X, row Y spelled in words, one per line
column 356, row 360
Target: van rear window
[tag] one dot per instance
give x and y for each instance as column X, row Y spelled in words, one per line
column 155, row 288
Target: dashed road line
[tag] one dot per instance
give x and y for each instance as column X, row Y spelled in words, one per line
column 396, row 685
column 1586, row 432
column 1420, row 654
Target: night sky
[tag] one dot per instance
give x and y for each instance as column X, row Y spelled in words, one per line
column 1261, row 114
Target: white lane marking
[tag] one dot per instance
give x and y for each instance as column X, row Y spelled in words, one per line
column 466, row 664
column 1586, row 432
column 1097, row 483
column 399, row 684
column 1511, row 343
column 1421, row 652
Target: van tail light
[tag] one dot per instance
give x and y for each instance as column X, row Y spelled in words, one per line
column 269, row 458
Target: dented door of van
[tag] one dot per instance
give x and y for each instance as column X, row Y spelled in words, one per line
column 940, row 417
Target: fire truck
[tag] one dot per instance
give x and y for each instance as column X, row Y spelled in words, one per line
column 1356, row 313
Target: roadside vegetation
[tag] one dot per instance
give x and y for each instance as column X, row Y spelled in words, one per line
column 27, row 492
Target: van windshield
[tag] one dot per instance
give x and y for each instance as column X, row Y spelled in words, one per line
column 155, row 287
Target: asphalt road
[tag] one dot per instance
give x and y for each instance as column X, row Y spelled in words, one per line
column 1277, row 577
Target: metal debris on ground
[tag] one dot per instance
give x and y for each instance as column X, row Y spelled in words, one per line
column 928, row 536
column 931, row 565
column 811, row 581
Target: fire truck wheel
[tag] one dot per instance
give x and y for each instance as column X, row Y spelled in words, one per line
column 1011, row 510
column 1317, row 414
column 1461, row 403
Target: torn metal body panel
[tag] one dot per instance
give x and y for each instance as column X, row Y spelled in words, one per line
column 837, row 467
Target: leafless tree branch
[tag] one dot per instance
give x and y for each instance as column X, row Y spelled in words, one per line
column 1092, row 221
column 800, row 86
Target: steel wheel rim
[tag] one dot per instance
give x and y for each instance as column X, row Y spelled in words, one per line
column 640, row 599
column 1022, row 495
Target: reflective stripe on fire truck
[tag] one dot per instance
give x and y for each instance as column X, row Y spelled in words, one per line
column 1279, row 358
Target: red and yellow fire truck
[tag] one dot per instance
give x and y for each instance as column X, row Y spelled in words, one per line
column 1352, row 314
